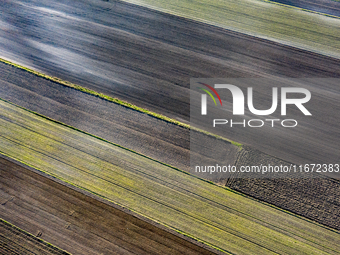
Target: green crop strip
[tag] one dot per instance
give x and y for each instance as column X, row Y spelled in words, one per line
column 206, row 212
column 117, row 101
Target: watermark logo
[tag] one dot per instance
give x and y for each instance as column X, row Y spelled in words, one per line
column 204, row 98
column 238, row 100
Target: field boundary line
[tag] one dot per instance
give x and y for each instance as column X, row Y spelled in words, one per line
column 118, row 101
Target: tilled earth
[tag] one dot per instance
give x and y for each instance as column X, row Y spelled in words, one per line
column 307, row 195
column 15, row 241
column 78, row 223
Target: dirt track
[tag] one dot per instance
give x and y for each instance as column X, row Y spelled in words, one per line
column 78, row 223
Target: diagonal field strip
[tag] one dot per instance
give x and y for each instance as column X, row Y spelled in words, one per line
column 214, row 215
column 292, row 26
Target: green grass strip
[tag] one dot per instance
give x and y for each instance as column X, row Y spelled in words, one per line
column 117, row 101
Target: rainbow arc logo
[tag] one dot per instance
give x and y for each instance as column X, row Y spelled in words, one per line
column 204, row 97
column 213, row 90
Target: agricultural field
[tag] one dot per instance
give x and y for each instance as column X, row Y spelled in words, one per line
column 95, row 136
column 147, row 58
column 264, row 19
column 145, row 133
column 80, row 223
column 216, row 216
column 16, row 241
column 314, row 198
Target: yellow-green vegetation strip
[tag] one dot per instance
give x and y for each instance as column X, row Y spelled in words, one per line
column 296, row 27
column 116, row 101
column 211, row 214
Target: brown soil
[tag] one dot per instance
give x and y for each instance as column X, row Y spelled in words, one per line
column 78, row 223
column 15, row 241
